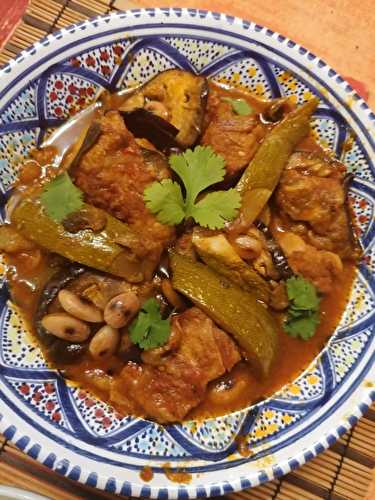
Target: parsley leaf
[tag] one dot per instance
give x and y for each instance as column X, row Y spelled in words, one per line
column 198, row 170
column 239, row 106
column 149, row 330
column 303, row 312
column 61, row 197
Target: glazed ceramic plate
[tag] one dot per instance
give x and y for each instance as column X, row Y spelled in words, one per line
column 69, row 430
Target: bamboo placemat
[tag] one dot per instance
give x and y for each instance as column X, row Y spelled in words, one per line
column 344, row 472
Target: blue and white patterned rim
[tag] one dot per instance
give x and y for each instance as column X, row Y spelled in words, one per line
column 286, row 430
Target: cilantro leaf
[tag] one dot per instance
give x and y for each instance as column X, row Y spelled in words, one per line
column 216, row 208
column 302, row 293
column 149, row 330
column 303, row 312
column 239, row 106
column 165, row 199
column 60, row 197
column 198, row 170
column 303, row 326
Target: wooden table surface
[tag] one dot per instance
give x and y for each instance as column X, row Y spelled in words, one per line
column 342, row 32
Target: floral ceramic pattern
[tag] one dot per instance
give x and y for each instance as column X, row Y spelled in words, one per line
column 67, row 428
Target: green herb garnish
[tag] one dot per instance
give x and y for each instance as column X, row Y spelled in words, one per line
column 149, row 330
column 61, row 197
column 303, row 312
column 198, row 170
column 239, row 106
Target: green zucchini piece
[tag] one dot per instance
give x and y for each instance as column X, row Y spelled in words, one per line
column 236, row 311
column 218, row 253
column 94, row 249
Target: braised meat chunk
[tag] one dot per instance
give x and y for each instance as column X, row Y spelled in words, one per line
column 113, row 175
column 173, row 379
column 235, row 137
column 320, row 267
column 312, row 191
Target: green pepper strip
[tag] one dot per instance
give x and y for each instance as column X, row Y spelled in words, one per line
column 263, row 172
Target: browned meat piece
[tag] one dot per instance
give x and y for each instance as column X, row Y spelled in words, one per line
column 312, row 190
column 279, row 297
column 184, row 245
column 113, row 176
column 173, row 379
column 318, row 266
column 234, row 137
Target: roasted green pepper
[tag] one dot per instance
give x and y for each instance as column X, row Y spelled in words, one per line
column 95, row 249
column 263, row 172
column 235, row 310
column 218, row 253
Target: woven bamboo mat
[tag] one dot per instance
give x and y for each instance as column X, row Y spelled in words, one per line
column 342, row 473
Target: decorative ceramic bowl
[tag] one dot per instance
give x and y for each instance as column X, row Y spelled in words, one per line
column 69, row 430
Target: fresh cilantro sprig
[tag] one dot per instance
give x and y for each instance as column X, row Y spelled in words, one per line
column 303, row 312
column 60, row 197
column 198, row 170
column 239, row 106
column 149, row 330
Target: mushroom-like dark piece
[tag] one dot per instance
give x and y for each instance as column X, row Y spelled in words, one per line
column 59, row 351
column 279, row 259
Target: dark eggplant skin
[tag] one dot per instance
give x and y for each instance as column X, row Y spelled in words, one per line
column 276, row 110
column 146, row 125
column 278, row 257
column 178, row 96
column 58, row 350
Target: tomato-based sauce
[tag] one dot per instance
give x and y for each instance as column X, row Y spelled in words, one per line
column 30, row 270
column 146, row 474
column 231, row 392
column 293, row 357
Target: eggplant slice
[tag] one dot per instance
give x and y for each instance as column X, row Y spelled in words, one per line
column 58, row 350
column 146, row 125
column 177, row 96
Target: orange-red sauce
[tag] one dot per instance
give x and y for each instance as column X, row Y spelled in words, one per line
column 28, row 272
column 293, row 357
column 231, row 392
column 176, row 475
column 146, row 474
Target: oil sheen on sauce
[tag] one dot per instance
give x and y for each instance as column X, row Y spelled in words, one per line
column 240, row 387
column 27, row 274
column 231, row 392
